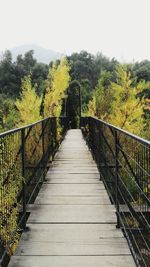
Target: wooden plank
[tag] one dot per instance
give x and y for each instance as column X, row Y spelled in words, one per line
column 73, row 240
column 72, row 175
column 72, row 261
column 103, row 199
column 72, row 189
column 77, row 180
column 71, row 232
column 74, row 171
column 72, row 214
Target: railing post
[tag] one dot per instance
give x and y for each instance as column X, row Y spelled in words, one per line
column 90, row 134
column 23, row 175
column 43, row 145
column 117, row 178
column 56, row 124
column 54, row 132
column 43, row 150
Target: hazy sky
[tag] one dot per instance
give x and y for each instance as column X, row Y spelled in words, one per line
column 117, row 28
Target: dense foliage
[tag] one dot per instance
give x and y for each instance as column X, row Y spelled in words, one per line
column 122, row 103
column 86, row 69
column 11, row 73
column 102, row 89
column 56, row 85
column 29, row 103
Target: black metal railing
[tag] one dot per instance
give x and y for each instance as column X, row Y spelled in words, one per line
column 123, row 160
column 24, row 154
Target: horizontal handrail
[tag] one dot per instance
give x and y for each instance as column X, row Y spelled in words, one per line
column 26, row 126
column 135, row 137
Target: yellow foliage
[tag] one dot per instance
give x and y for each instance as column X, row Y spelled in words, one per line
column 57, row 82
column 99, row 106
column 127, row 109
column 147, row 104
column 29, row 103
column 118, row 102
column 9, row 207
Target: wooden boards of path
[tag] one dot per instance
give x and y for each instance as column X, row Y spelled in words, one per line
column 72, row 223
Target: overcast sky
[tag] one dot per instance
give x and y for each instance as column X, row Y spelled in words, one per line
column 117, row 28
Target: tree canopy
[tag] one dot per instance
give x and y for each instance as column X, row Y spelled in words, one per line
column 56, row 85
column 102, row 88
column 119, row 102
column 29, row 103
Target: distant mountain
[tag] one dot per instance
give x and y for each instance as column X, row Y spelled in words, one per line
column 41, row 54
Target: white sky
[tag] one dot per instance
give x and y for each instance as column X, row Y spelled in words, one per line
column 117, row 28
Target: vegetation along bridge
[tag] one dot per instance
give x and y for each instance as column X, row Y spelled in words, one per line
column 74, row 197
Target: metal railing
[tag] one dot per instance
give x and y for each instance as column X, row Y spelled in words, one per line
column 123, row 160
column 24, row 154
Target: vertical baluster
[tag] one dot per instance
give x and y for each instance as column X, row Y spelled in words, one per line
column 23, row 174
column 117, row 177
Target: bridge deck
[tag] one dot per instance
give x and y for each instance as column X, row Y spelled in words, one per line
column 72, row 222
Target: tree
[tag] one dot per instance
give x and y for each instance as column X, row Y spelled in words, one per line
column 86, row 69
column 82, row 66
column 86, row 92
column 73, row 106
column 57, row 83
column 103, row 63
column 39, row 76
column 100, row 105
column 127, row 109
column 119, row 102
column 29, row 103
column 26, row 65
column 83, row 70
column 8, row 113
column 8, row 84
column 142, row 70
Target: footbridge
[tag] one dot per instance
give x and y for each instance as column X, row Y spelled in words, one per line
column 74, row 197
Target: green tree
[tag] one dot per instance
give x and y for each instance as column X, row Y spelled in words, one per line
column 73, row 106
column 8, row 113
column 142, row 70
column 8, row 84
column 26, row 65
column 39, row 76
column 86, row 69
column 103, row 63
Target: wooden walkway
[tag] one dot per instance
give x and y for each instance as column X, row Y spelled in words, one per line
column 73, row 223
